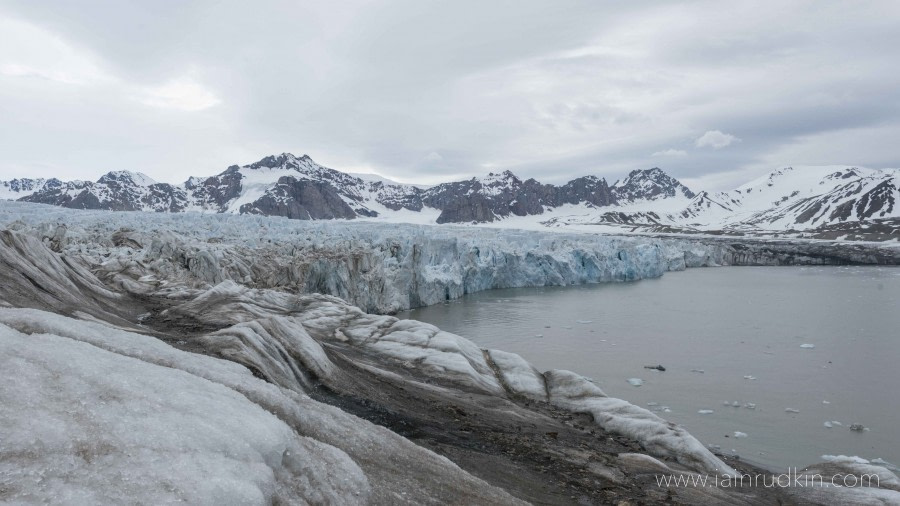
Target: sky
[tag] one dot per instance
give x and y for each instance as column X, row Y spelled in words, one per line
column 715, row 93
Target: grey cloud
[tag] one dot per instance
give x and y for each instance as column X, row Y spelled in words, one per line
column 549, row 90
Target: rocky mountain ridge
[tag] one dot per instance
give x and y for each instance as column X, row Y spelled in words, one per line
column 645, row 200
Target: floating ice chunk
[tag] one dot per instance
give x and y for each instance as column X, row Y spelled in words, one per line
column 826, row 402
column 705, row 411
column 583, row 322
column 828, row 424
column 858, row 427
column 748, row 377
column 739, row 434
column 701, row 371
column 808, row 346
column 750, row 405
column 635, row 382
column 657, row 408
column 539, row 335
column 837, row 423
column 791, row 410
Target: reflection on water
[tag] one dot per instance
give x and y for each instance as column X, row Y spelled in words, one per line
column 724, row 335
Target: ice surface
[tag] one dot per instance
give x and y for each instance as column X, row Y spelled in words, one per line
column 635, row 382
column 86, row 425
column 238, row 434
column 858, row 466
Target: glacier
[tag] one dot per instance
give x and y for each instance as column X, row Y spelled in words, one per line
column 386, row 268
column 259, row 359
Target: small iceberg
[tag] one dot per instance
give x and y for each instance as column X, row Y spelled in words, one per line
column 828, row 424
column 748, row 377
column 635, row 382
column 750, row 405
column 701, row 371
column 740, row 434
column 584, row 322
column 791, row 410
column 808, row 346
column 705, row 412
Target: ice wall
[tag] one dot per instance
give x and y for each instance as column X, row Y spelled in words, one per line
column 384, row 268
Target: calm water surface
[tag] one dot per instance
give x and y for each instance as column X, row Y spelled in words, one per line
column 729, row 322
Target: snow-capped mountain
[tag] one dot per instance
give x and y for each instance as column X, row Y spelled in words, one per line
column 283, row 185
column 802, row 198
column 498, row 196
column 799, row 198
column 299, row 188
column 18, row 188
column 649, row 185
column 827, row 202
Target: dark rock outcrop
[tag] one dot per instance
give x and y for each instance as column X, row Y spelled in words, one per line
column 300, row 200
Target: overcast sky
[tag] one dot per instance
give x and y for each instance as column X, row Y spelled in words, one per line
column 713, row 92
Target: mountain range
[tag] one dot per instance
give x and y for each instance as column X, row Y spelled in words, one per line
column 835, row 201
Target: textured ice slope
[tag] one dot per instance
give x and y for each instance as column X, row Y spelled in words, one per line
column 93, row 414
